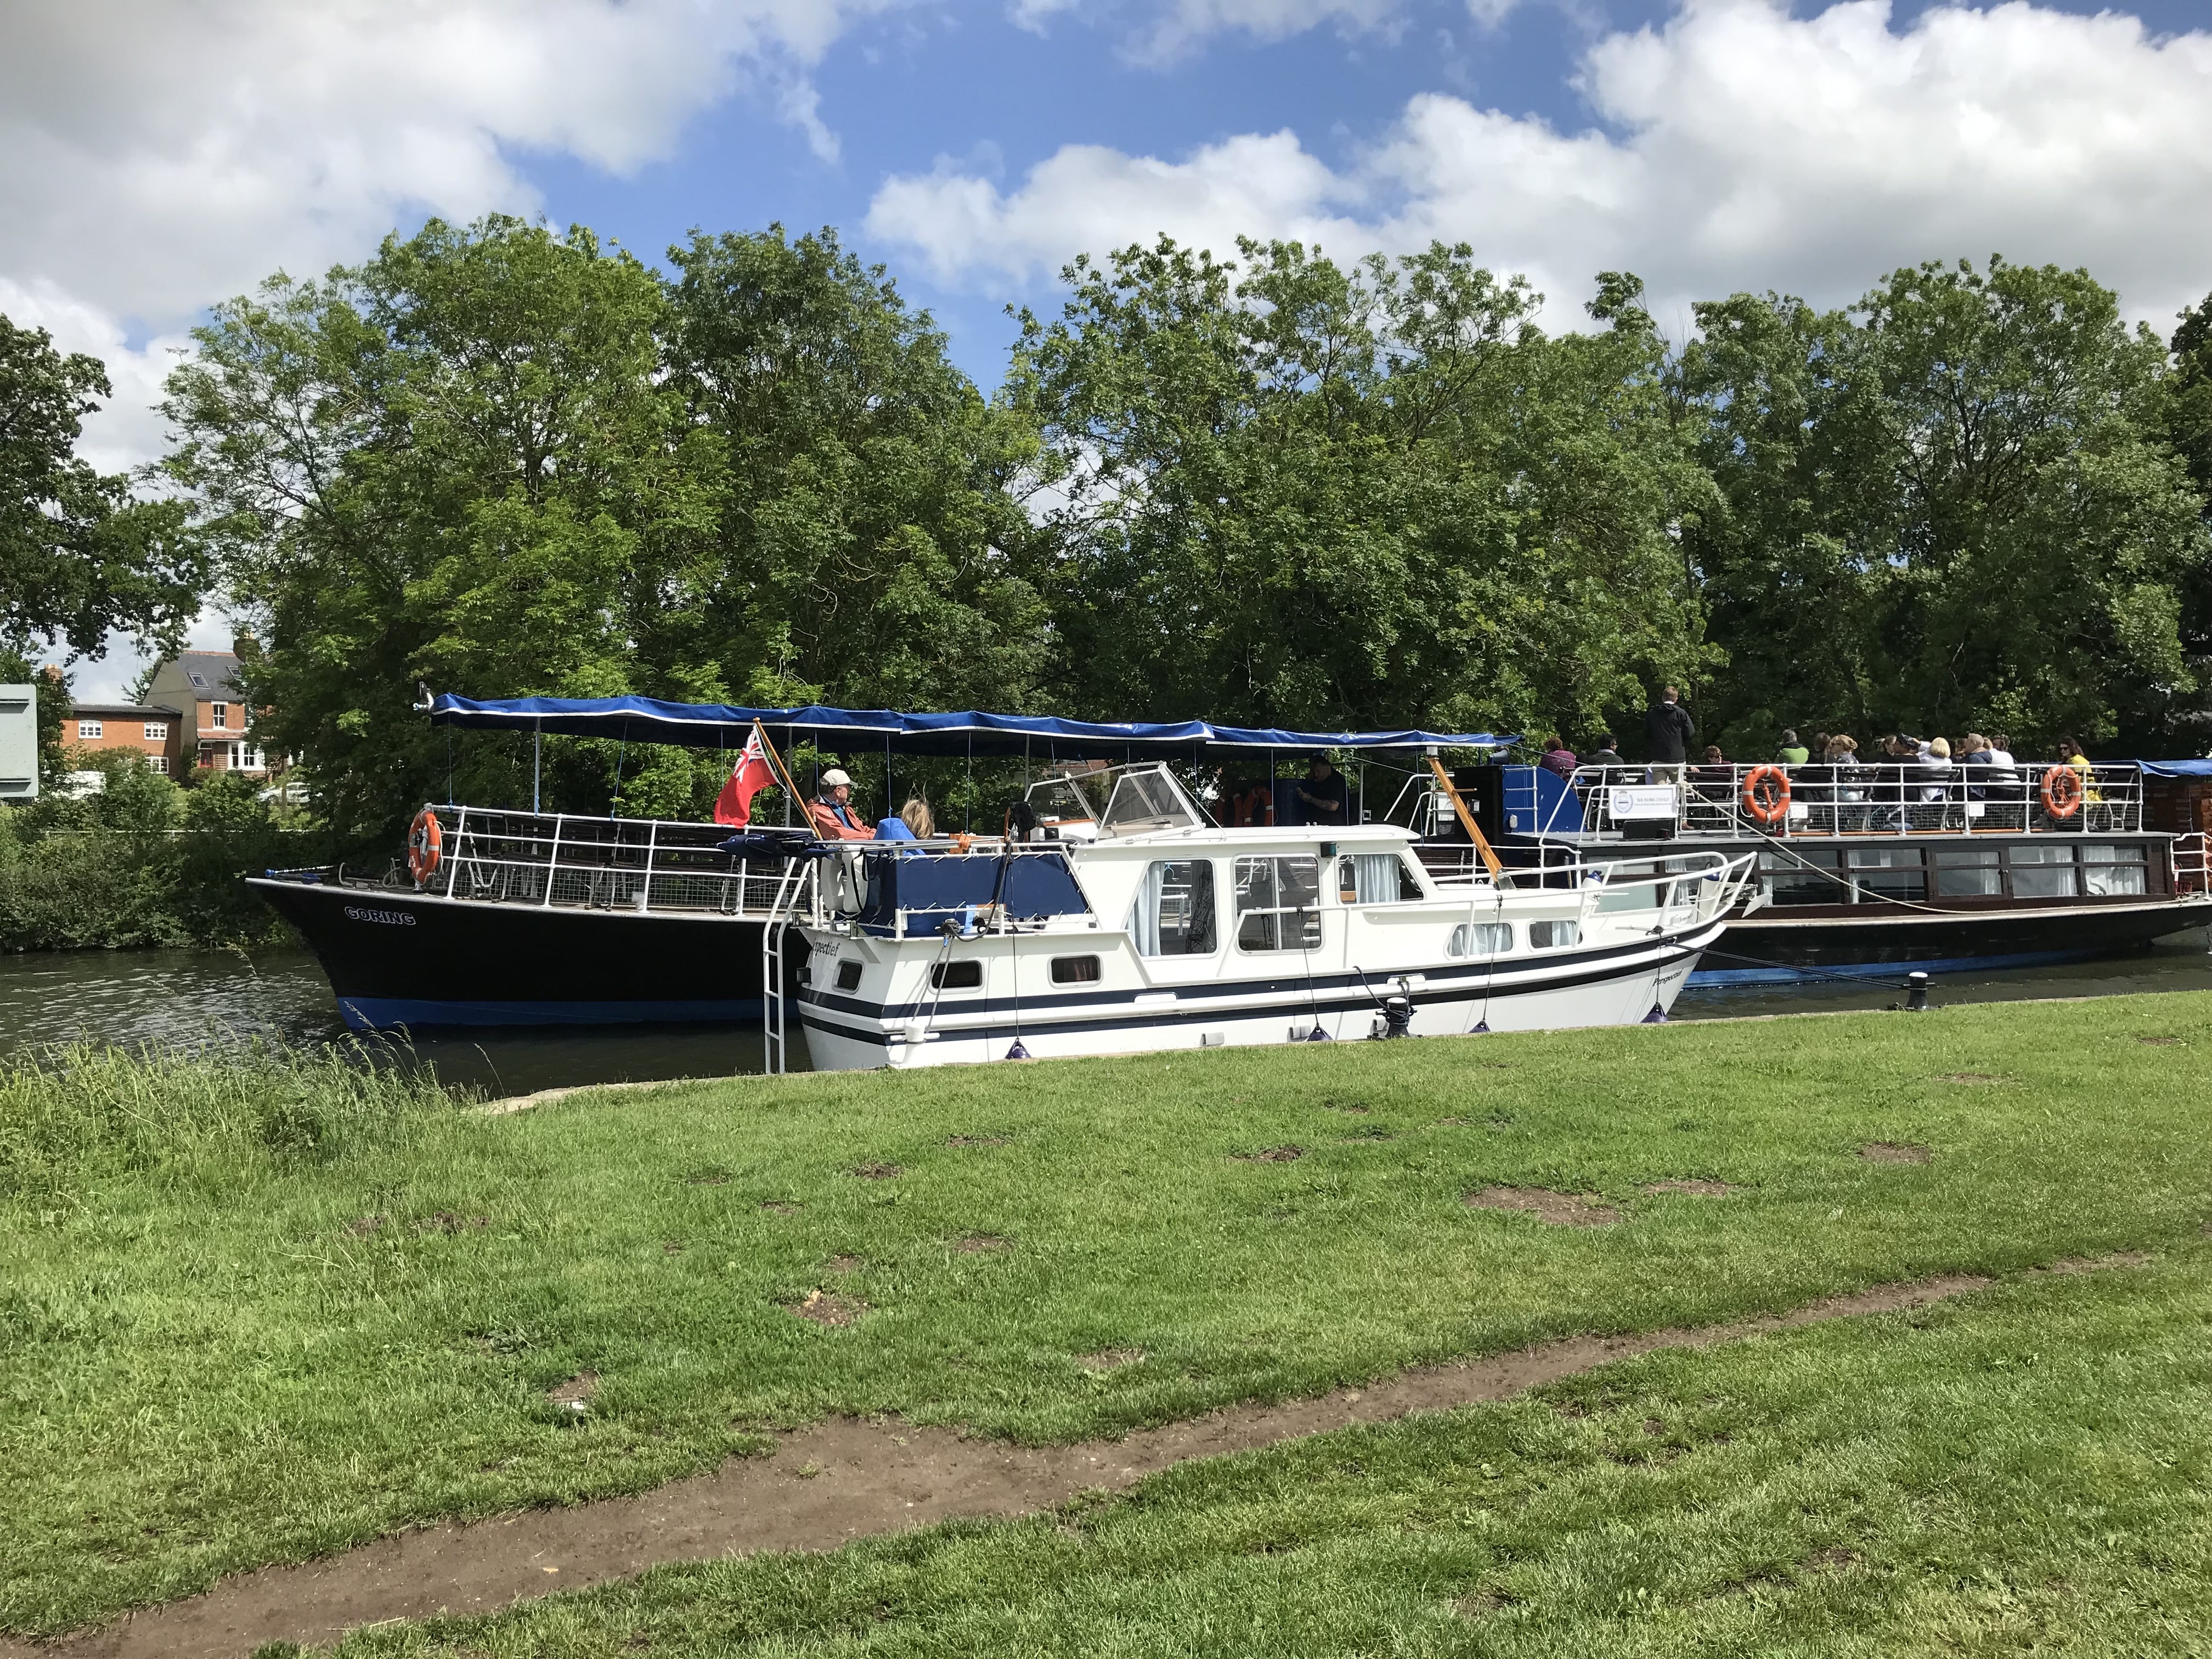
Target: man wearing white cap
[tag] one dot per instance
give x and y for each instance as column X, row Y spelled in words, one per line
column 834, row 817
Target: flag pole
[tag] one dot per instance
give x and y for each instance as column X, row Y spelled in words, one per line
column 782, row 772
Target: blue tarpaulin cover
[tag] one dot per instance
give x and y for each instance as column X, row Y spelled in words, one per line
column 2176, row 769
column 721, row 725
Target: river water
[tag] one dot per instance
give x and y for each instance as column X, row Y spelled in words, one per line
column 177, row 996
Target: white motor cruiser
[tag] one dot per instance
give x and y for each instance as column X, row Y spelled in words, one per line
column 1120, row 918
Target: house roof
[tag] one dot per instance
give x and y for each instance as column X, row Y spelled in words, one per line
column 124, row 710
column 210, row 672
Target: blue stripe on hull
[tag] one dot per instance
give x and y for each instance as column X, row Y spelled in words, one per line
column 383, row 1013
column 1718, row 978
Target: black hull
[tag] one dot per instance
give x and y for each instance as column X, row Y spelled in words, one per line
column 396, row 958
column 1772, row 946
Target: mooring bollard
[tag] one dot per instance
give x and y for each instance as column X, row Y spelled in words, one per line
column 1916, row 994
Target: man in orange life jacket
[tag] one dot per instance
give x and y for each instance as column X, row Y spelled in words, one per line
column 832, row 811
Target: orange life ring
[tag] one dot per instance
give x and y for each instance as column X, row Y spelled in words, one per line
column 1771, row 806
column 426, row 846
column 2062, row 791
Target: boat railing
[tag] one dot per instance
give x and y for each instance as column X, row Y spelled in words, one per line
column 1676, row 891
column 1719, row 801
column 2193, row 863
column 572, row 862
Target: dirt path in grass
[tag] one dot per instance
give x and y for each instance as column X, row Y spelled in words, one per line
column 826, row 1485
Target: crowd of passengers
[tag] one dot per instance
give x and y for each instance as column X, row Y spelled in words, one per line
column 1670, row 735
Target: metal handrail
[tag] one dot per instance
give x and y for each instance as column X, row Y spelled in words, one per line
column 2192, row 863
column 1885, row 799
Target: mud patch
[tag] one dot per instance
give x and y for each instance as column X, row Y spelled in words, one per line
column 1271, row 1155
column 820, row 1488
column 878, row 1171
column 708, row 1178
column 1693, row 1187
column 1832, row 1560
column 1372, row 1132
column 981, row 1244
column 1481, row 1604
column 672, row 1247
column 363, row 1225
column 844, row 1264
column 1560, row 1209
column 1110, row 1359
column 445, row 1221
column 576, row 1391
column 978, row 1140
column 2162, row 1042
column 1352, row 1106
column 781, row 1205
column 1895, row 1152
column 1972, row 1077
column 828, row 1307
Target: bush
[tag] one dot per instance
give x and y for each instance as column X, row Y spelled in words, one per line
column 86, row 1108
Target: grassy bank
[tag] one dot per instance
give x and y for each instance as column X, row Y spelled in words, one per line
column 2026, row 1471
column 212, row 1364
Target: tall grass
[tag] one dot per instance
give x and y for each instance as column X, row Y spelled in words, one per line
column 83, row 1108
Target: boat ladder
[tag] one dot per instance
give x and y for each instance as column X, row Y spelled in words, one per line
column 795, row 888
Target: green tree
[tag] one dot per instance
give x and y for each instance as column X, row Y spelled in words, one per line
column 862, row 544
column 1948, row 506
column 79, row 556
column 1310, row 496
column 456, row 464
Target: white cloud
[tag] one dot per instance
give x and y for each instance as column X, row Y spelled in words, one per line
column 1182, row 24
column 1742, row 147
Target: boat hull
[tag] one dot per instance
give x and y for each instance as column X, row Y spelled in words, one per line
column 1619, row 986
column 398, row 958
column 1776, row 947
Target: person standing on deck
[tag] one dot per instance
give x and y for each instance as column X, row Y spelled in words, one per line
column 1668, row 731
column 1321, row 794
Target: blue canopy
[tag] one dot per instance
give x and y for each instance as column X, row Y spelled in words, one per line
column 721, row 725
column 2177, row 769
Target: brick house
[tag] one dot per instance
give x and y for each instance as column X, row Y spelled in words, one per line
column 203, row 686
column 154, row 731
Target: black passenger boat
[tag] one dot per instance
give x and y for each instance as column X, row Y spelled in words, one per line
column 1871, row 869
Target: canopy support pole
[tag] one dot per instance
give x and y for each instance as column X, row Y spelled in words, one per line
column 537, row 759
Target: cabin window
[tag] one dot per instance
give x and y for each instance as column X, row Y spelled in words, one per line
column 1554, row 935
column 1795, row 878
column 87, row 729
column 2041, row 872
column 1173, row 915
column 849, row 975
column 1075, row 970
column 1481, row 939
column 1968, row 873
column 2108, row 872
column 1881, row 874
column 1277, row 903
column 1376, row 878
column 957, row 975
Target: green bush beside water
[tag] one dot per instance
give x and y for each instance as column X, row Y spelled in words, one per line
column 144, row 864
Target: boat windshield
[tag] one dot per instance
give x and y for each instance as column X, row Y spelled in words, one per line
column 1119, row 801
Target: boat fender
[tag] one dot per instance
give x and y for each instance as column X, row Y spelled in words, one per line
column 426, row 846
column 1767, row 794
column 2062, row 791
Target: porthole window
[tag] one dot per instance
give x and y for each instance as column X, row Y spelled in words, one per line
column 1075, row 970
column 849, row 975
column 957, row 975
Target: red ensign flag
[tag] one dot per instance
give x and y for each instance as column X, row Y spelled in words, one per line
column 734, row 805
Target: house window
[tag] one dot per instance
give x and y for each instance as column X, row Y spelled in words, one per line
column 1173, row 915
column 222, row 716
column 1278, row 905
column 200, row 680
column 156, row 732
column 160, row 764
column 88, row 731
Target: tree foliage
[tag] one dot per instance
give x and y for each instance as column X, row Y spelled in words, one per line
column 1948, row 507
column 1306, row 495
column 79, row 556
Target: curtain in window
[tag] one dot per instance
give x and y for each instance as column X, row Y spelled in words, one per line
column 1144, row 913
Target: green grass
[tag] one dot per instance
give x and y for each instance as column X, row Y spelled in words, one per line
column 207, row 1364
column 2028, row 1471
